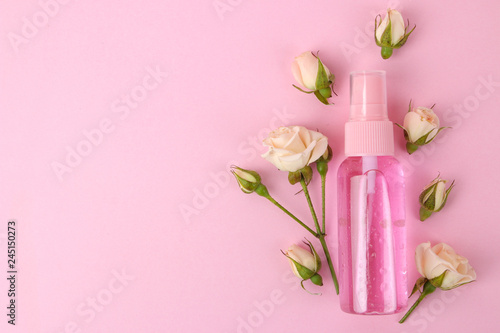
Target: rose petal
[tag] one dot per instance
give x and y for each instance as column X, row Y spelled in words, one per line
column 397, row 26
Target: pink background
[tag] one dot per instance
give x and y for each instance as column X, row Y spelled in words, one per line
column 151, row 201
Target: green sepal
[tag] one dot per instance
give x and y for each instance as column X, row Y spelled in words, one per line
column 305, row 173
column 458, row 285
column 420, row 282
column 411, row 147
column 386, row 52
column 315, row 254
column 405, row 132
column 424, row 214
column 328, row 158
column 438, row 280
column 302, row 284
column 294, row 177
column 428, row 288
column 405, row 38
column 326, row 92
column 317, row 279
column 386, row 38
column 322, row 80
column 439, row 130
column 446, row 195
column 303, row 271
column 307, row 92
column 321, row 98
column 423, row 139
column 262, row 191
column 430, row 202
column 245, row 185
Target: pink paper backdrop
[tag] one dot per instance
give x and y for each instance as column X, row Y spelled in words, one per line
column 119, row 119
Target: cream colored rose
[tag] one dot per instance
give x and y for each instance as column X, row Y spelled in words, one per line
column 434, row 261
column 292, row 148
column 303, row 257
column 420, row 121
column 305, row 70
column 397, row 27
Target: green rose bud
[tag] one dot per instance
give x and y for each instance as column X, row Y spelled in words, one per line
column 433, row 197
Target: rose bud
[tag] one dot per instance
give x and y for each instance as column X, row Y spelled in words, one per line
column 420, row 125
column 311, row 74
column 305, row 264
column 248, row 180
column 433, row 197
column 441, row 267
column 295, row 147
column 390, row 33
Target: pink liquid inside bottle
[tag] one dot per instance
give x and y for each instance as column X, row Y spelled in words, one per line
column 371, row 213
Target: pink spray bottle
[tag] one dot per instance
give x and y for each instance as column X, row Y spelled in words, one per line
column 371, row 205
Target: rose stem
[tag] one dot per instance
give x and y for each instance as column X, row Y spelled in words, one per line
column 268, row 197
column 428, row 289
column 321, row 235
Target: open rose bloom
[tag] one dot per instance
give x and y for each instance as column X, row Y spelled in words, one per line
column 441, row 267
column 295, row 147
column 434, row 261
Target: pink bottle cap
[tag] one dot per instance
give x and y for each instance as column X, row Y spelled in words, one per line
column 369, row 130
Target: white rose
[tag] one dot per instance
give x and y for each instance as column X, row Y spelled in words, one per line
column 434, row 261
column 303, row 257
column 397, row 26
column 292, row 148
column 305, row 70
column 420, row 121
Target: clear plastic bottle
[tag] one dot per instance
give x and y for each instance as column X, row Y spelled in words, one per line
column 371, row 206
